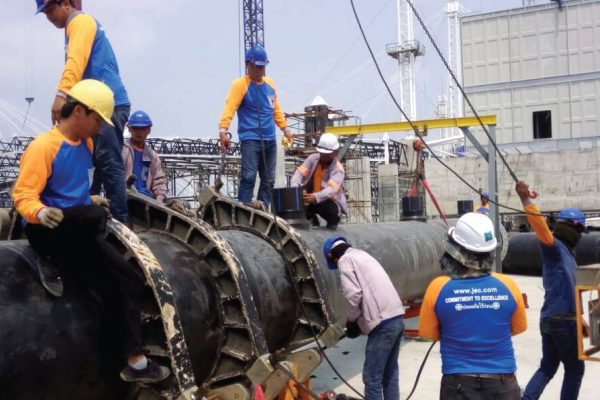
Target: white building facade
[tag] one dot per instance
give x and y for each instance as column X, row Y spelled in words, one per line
column 537, row 68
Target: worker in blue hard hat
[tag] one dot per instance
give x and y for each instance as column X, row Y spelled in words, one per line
column 254, row 98
column 484, row 206
column 558, row 319
column 142, row 164
column 90, row 56
column 374, row 308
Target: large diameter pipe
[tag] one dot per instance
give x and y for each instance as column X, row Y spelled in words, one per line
column 524, row 253
column 408, row 251
column 69, row 347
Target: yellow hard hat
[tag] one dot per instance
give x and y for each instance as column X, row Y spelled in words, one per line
column 96, row 96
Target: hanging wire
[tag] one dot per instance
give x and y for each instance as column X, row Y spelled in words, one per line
column 416, row 129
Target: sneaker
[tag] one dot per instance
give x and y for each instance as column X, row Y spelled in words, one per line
column 151, row 374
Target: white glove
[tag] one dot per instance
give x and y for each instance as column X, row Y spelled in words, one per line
column 50, row 217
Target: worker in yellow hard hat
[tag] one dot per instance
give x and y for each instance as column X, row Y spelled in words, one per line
column 66, row 226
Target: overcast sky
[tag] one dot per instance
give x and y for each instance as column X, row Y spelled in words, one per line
column 178, row 58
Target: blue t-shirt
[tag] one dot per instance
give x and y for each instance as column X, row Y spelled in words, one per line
column 475, row 317
column 141, row 169
column 558, row 266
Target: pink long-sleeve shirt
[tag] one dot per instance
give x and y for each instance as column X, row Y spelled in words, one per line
column 370, row 295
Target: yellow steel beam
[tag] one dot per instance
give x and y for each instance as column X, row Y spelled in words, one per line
column 422, row 125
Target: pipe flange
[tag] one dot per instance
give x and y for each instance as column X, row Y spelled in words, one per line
column 223, row 213
column 237, row 309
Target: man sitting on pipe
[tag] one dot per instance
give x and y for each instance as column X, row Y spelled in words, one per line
column 474, row 313
column 374, row 309
column 66, row 226
column 322, row 175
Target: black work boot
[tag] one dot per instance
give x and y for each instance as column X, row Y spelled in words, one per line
column 151, row 374
column 49, row 276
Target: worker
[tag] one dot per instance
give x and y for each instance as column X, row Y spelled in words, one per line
column 323, row 177
column 558, row 323
column 474, row 312
column 254, row 98
column 142, row 164
column 90, row 56
column 66, row 226
column 484, row 206
column 374, row 309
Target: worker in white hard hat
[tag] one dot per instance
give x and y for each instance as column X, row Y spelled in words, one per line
column 474, row 312
column 322, row 174
column 66, row 226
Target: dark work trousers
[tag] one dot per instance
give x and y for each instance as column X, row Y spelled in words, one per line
column 110, row 170
column 458, row 387
column 77, row 246
column 559, row 345
column 329, row 210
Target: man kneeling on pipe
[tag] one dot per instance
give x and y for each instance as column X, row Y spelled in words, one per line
column 66, row 226
column 374, row 309
column 474, row 313
column 323, row 177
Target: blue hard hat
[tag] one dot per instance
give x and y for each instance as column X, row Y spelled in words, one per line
column 42, row 4
column 486, row 195
column 573, row 214
column 139, row 119
column 327, row 249
column 257, row 55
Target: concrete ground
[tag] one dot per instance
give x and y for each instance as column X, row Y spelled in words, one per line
column 348, row 357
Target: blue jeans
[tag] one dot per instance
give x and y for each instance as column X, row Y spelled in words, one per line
column 559, row 344
column 252, row 162
column 110, row 171
column 380, row 372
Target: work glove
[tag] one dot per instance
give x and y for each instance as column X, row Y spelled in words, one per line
column 50, row 217
column 287, row 143
column 352, row 330
column 100, row 201
column 224, row 140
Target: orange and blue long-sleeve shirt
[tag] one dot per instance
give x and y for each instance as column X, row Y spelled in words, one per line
column 474, row 319
column 54, row 172
column 558, row 267
column 257, row 108
column 90, row 56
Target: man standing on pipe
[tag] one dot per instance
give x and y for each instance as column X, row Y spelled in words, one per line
column 558, row 321
column 254, row 98
column 90, row 56
column 66, row 226
column 323, row 176
column 474, row 313
column 374, row 309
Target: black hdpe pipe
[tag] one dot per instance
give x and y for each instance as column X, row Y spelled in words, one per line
column 69, row 347
column 524, row 253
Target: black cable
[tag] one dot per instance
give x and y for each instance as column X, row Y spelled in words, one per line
column 462, row 91
column 416, row 129
column 421, row 370
column 289, row 268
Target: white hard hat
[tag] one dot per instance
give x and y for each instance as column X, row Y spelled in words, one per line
column 474, row 232
column 328, row 143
